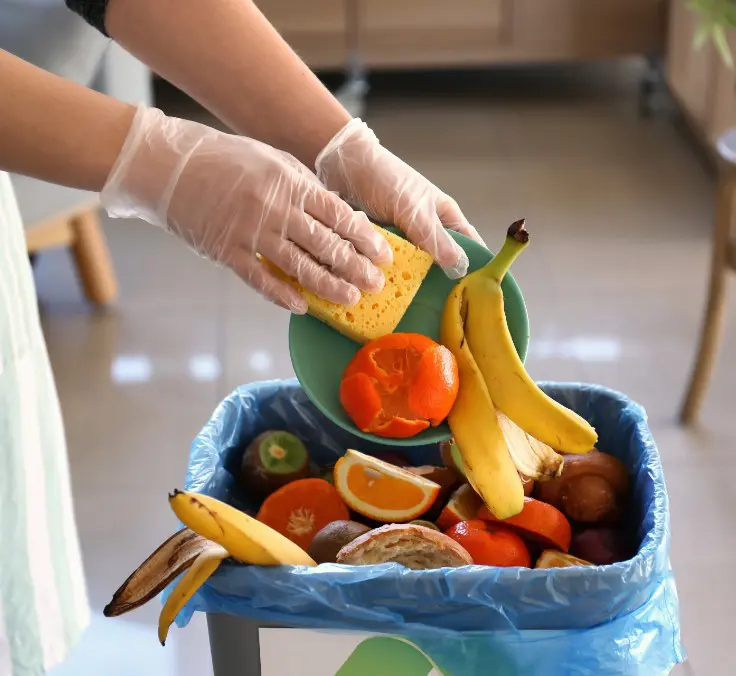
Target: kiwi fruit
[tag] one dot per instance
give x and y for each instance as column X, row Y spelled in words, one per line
column 272, row 460
column 451, row 456
column 332, row 538
column 328, row 474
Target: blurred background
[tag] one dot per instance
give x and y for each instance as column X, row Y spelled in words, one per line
column 596, row 120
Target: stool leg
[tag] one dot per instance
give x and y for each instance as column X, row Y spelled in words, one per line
column 92, row 258
column 713, row 320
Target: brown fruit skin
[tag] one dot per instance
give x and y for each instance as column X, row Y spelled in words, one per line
column 528, row 485
column 259, row 485
column 393, row 458
column 448, row 480
column 444, row 476
column 332, row 538
column 593, row 488
column 601, row 546
column 589, row 499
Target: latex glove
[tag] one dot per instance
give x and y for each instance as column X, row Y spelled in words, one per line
column 231, row 198
column 356, row 165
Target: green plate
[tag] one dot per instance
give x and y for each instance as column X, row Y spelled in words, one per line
column 320, row 354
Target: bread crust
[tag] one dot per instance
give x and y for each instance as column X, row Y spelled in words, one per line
column 415, row 547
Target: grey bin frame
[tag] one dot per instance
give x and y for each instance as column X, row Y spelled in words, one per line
column 235, row 644
column 236, row 648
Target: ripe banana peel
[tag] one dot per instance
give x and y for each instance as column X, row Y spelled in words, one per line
column 206, row 563
column 510, row 387
column 474, row 424
column 245, row 538
column 531, row 457
column 502, row 421
column 169, row 561
column 215, row 531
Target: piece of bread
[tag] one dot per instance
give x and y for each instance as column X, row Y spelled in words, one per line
column 377, row 314
column 415, row 547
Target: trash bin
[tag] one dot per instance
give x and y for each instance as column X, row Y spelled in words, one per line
column 606, row 620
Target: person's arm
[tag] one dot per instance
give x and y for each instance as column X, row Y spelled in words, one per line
column 226, row 55
column 232, row 199
column 56, row 130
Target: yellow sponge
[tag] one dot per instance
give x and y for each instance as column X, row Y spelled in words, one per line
column 377, row 314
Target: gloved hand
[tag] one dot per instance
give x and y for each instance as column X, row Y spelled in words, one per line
column 231, row 198
column 362, row 171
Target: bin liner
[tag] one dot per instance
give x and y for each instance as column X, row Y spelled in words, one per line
column 617, row 619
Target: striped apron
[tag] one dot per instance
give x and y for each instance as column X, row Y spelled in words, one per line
column 43, row 600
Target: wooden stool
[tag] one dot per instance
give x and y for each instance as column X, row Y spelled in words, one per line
column 55, row 216
column 723, row 261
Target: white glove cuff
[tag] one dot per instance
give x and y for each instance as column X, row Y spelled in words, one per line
column 145, row 173
column 355, row 128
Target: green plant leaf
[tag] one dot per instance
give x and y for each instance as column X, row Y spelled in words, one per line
column 716, row 18
column 702, row 35
column 721, row 42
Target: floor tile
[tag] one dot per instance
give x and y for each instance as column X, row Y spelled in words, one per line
column 702, row 505
column 707, row 600
column 119, row 647
column 154, row 270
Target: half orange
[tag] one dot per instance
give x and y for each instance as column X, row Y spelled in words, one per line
column 381, row 491
column 539, row 522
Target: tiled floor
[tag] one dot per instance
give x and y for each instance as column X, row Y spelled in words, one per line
column 620, row 211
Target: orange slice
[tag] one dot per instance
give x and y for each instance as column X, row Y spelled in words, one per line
column 538, row 521
column 551, row 558
column 381, row 491
column 463, row 505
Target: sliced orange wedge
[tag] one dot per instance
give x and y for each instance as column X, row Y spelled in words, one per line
column 551, row 558
column 463, row 505
column 381, row 491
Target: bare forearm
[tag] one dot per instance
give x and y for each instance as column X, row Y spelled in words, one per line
column 55, row 130
column 227, row 56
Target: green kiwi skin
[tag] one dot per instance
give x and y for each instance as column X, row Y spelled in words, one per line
column 257, row 480
column 451, row 457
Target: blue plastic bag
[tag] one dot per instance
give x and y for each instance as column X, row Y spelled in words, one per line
column 619, row 619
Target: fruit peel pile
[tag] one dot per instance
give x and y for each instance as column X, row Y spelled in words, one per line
column 521, row 484
column 368, row 510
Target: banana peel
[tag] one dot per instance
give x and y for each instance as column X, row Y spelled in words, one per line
column 532, row 458
column 202, row 568
column 172, row 558
column 502, row 422
column 474, row 423
column 215, row 531
column 245, row 538
column 511, row 388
